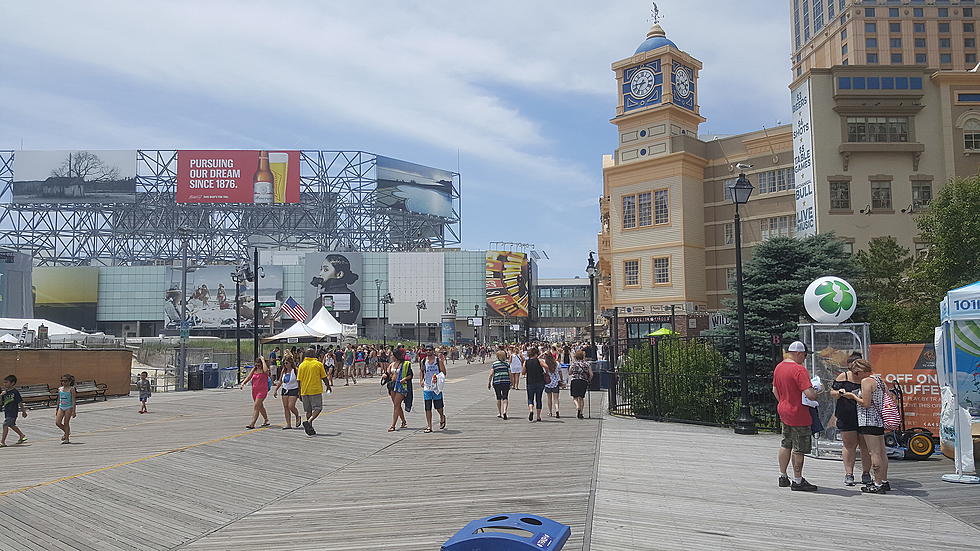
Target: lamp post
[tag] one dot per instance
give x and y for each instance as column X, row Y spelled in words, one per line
column 740, row 190
column 386, row 300
column 185, row 234
column 239, row 276
column 377, row 284
column 592, row 270
column 476, row 329
column 420, row 305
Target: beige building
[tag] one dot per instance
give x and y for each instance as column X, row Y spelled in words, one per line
column 935, row 33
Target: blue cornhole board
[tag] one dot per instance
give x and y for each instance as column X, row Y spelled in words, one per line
column 510, row 532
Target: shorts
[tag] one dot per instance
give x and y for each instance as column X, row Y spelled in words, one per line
column 436, row 402
column 872, row 431
column 502, row 390
column 144, row 396
column 10, row 421
column 552, row 389
column 291, row 392
column 579, row 388
column 797, row 439
column 312, row 402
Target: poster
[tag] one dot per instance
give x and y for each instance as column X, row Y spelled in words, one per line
column 336, row 278
column 806, row 199
column 913, row 368
column 68, row 295
column 508, row 283
column 76, row 176
column 408, row 187
column 211, row 297
column 238, row 176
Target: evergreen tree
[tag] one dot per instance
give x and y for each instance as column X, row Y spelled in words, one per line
column 774, row 281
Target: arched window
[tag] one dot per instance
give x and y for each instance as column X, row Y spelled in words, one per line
column 971, row 134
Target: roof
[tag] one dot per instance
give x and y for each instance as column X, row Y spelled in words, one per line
column 656, row 38
column 564, row 281
column 14, row 325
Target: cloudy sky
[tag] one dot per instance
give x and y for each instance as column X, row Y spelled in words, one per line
column 518, row 93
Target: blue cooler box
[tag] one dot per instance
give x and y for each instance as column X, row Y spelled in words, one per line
column 510, row 532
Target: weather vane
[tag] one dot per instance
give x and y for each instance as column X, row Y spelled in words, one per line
column 655, row 14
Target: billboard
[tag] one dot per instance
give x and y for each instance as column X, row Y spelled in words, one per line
column 76, row 176
column 210, row 296
column 913, row 367
column 508, row 283
column 806, row 198
column 67, row 295
column 238, row 176
column 408, row 187
column 334, row 277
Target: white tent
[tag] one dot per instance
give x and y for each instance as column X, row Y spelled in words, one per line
column 7, row 338
column 15, row 325
column 325, row 323
column 298, row 330
column 957, row 358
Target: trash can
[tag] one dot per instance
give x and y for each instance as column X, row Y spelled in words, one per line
column 211, row 378
column 603, row 374
column 510, row 532
column 228, row 377
column 195, row 377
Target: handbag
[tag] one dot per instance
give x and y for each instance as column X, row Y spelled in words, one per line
column 547, row 378
column 891, row 418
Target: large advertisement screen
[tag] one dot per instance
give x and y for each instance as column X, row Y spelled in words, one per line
column 913, row 368
column 806, row 199
column 67, row 295
column 408, row 187
column 238, row 176
column 211, row 295
column 508, row 283
column 335, row 278
column 77, row 176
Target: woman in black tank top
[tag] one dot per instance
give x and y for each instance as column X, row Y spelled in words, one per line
column 846, row 414
column 534, row 383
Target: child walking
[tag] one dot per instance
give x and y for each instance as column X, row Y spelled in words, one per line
column 65, row 411
column 143, row 386
column 11, row 401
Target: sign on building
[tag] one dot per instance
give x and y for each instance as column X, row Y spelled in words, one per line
column 806, row 198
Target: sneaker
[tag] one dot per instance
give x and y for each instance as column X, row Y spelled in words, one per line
column 886, row 486
column 866, row 478
column 580, row 416
column 803, row 486
column 873, row 489
column 783, row 481
column 530, row 416
column 557, row 415
column 22, row 440
column 849, row 480
column 505, row 417
column 308, row 427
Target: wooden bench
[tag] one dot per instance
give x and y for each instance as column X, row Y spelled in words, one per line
column 36, row 394
column 90, row 389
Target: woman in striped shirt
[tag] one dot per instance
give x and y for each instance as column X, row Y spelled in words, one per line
column 500, row 380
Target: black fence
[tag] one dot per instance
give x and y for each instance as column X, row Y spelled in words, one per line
column 686, row 379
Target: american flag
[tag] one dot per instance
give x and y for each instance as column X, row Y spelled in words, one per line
column 294, row 309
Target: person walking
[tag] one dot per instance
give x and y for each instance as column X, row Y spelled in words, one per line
column 434, row 366
column 143, row 386
column 845, row 411
column 516, row 366
column 12, row 403
column 500, row 380
column 399, row 381
column 349, row 372
column 580, row 372
column 554, row 383
column 289, row 384
column 311, row 376
column 258, row 376
column 66, row 410
column 790, row 382
column 534, row 382
column 869, row 400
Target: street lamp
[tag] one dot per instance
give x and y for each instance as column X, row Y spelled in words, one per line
column 184, row 233
column 740, row 191
column 386, row 300
column 377, row 283
column 592, row 270
column 239, row 276
column 476, row 329
column 420, row 305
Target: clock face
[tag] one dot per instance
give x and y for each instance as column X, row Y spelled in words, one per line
column 642, row 83
column 682, row 82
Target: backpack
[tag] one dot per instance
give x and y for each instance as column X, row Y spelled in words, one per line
column 891, row 417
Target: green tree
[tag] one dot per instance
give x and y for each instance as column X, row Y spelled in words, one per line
column 951, row 226
column 883, row 265
column 775, row 279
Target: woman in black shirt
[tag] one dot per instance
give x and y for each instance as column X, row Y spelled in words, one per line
column 534, row 380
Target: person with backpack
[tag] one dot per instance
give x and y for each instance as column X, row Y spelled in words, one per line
column 870, row 400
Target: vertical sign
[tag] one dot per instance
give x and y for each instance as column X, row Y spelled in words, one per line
column 806, row 199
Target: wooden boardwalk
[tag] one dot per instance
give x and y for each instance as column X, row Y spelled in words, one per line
column 189, row 476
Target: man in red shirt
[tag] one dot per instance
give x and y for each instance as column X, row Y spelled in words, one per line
column 790, row 381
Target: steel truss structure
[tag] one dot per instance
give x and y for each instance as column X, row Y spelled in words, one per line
column 337, row 211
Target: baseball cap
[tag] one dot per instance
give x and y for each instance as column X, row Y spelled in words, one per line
column 798, row 346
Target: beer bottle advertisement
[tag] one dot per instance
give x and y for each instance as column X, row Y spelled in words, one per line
column 237, row 176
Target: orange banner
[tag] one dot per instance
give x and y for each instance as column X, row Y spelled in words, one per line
column 913, row 367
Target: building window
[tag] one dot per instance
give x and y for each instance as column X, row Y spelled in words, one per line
column 971, row 135
column 631, row 273
column 896, row 58
column 945, row 43
column 646, row 208
column 943, row 12
column 843, row 49
column 730, row 276
column 920, row 42
column 843, row 34
column 629, row 211
column 870, row 42
column 917, row 12
column 830, row 11
column 661, row 213
column 877, row 129
column 778, row 226
column 968, row 27
column 848, row 247
column 730, row 234
column 895, row 42
column 840, row 195
column 894, row 27
column 944, row 27
column 921, row 194
column 967, row 12
column 870, row 28
column 921, row 249
column 969, row 42
column 881, row 195
column 971, row 58
column 869, row 12
column 872, row 59
column 892, row 12
column 842, row 63
column 919, row 27
column 772, row 181
column 661, row 270
column 920, row 58
column 945, row 58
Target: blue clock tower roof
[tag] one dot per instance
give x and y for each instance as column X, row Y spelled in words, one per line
column 656, row 38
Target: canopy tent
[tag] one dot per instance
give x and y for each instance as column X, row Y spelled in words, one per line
column 7, row 338
column 15, row 326
column 298, row 330
column 958, row 370
column 324, row 322
column 662, row 332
